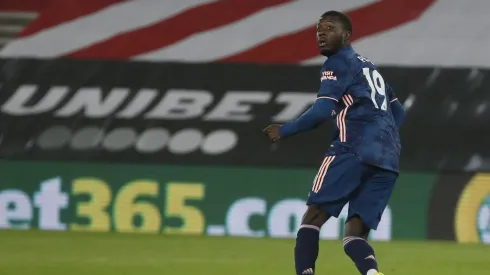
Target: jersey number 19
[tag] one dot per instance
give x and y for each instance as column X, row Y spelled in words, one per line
column 377, row 84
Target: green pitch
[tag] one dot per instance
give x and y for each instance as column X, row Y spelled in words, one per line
column 68, row 253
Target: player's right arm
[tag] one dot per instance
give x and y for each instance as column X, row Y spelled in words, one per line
column 396, row 107
column 333, row 79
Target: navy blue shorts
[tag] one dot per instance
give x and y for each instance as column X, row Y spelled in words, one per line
column 345, row 179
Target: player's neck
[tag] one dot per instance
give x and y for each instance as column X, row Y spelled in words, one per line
column 343, row 48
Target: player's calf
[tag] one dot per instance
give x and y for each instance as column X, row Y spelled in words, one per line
column 307, row 240
column 357, row 247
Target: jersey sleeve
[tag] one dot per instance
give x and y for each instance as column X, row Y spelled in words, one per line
column 333, row 81
column 390, row 94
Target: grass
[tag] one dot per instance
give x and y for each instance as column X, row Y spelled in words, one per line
column 74, row 253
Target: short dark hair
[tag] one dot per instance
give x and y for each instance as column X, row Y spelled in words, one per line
column 342, row 17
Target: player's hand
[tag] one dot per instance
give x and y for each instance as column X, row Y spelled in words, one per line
column 272, row 132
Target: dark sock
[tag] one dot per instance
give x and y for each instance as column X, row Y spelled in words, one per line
column 361, row 253
column 306, row 250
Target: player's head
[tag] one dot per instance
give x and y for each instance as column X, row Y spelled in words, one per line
column 333, row 32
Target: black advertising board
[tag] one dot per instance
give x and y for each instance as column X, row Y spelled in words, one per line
column 213, row 113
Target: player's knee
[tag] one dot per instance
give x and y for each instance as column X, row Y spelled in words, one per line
column 356, row 228
column 355, row 232
column 315, row 216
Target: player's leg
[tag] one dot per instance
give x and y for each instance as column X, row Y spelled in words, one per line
column 365, row 211
column 335, row 181
column 357, row 247
column 307, row 240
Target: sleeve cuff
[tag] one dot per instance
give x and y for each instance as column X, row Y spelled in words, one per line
column 328, row 97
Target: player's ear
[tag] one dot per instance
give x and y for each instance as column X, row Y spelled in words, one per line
column 347, row 36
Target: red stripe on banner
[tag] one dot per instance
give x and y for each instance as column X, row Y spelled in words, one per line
column 368, row 20
column 167, row 32
column 21, row 5
column 56, row 12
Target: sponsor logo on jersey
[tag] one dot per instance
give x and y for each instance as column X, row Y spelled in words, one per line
column 328, row 75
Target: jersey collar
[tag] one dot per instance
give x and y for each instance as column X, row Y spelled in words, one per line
column 346, row 49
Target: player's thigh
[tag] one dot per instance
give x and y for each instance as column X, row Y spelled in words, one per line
column 371, row 199
column 337, row 179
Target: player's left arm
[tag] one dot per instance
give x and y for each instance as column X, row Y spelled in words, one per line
column 330, row 91
column 396, row 107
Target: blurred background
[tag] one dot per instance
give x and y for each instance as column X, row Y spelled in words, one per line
column 145, row 116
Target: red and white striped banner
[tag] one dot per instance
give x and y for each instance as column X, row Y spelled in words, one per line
column 389, row 32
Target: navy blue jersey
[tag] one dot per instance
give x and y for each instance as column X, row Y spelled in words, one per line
column 364, row 123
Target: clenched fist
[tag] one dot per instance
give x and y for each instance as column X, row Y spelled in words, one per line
column 272, row 132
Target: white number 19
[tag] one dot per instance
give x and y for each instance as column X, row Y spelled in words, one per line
column 377, row 84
